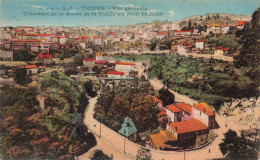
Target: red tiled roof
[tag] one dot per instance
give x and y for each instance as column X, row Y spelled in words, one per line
column 30, row 66
column 185, row 107
column 26, row 40
column 161, row 113
column 45, row 55
column 43, row 35
column 100, row 62
column 115, row 72
column 41, row 67
column 191, row 125
column 200, row 41
column 17, row 30
column 162, row 33
column 89, row 59
column 241, row 23
column 227, row 25
column 159, row 139
column 173, row 108
column 205, row 108
column 225, row 49
column 125, row 63
column 156, row 100
column 57, row 37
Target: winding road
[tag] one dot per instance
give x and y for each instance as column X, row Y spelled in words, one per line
column 112, row 143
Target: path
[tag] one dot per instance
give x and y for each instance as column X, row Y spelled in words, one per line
column 112, row 143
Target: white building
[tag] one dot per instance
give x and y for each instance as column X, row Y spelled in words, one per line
column 200, row 44
column 124, row 67
column 115, row 74
column 205, row 114
column 173, row 113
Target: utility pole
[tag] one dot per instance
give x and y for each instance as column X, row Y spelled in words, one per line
column 100, row 130
column 124, row 145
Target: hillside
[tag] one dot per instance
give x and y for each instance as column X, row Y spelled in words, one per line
column 221, row 18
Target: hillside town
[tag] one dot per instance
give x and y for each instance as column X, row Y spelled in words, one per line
column 165, row 88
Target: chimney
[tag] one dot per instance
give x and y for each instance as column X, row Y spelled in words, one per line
column 176, row 128
column 204, row 109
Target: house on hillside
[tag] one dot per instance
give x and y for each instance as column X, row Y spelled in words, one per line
column 125, row 67
column 187, row 131
column 173, row 113
column 115, row 74
column 187, row 111
column 162, row 116
column 241, row 24
column 200, row 44
column 31, row 69
column 205, row 114
column 89, row 62
column 162, row 140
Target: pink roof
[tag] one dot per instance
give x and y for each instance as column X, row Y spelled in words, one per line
column 89, row 59
column 115, row 72
column 125, row 63
column 45, row 56
column 1, row 43
column 100, row 62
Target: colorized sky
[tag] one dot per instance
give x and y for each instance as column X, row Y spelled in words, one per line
column 12, row 12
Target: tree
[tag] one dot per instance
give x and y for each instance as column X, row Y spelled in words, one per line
column 143, row 154
column 20, row 76
column 236, row 147
column 250, row 51
column 22, row 55
column 98, row 155
column 78, row 59
column 166, row 96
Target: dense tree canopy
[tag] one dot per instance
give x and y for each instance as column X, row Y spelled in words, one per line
column 238, row 148
column 250, row 51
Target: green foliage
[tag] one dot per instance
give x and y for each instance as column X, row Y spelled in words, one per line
column 227, row 41
column 204, row 80
column 30, row 132
column 128, row 99
column 250, row 51
column 99, row 155
column 22, row 55
column 166, row 96
column 20, row 76
column 78, row 59
column 236, row 147
column 143, row 154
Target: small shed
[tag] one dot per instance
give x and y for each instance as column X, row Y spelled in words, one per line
column 128, row 129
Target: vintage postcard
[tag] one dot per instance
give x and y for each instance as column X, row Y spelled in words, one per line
column 129, row 79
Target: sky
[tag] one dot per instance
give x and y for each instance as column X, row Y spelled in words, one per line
column 12, row 12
